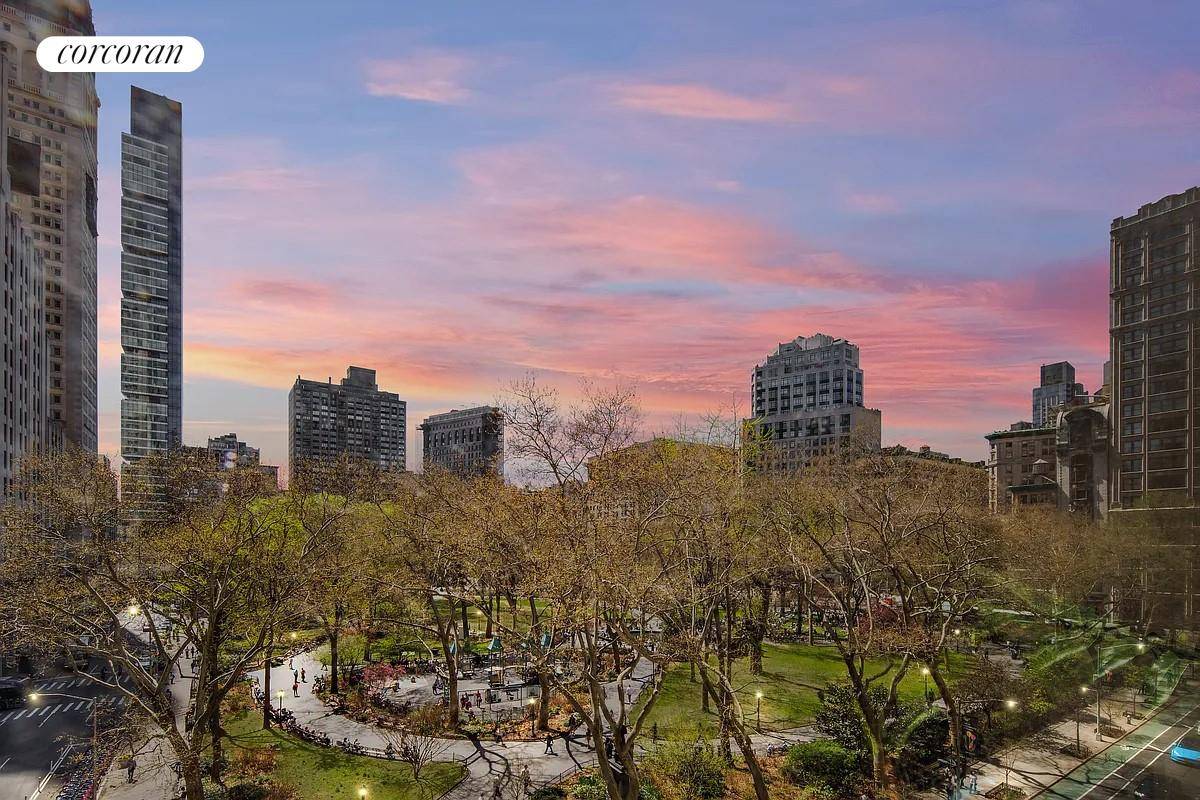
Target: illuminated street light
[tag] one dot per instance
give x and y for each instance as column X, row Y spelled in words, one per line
column 925, row 676
column 362, row 791
column 133, row 610
column 279, row 694
column 532, row 717
column 758, row 711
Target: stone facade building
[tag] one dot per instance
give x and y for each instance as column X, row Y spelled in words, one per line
column 354, row 418
column 465, row 442
column 1022, row 467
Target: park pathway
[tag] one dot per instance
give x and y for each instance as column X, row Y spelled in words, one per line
column 489, row 764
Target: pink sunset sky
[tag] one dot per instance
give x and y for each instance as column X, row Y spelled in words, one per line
column 653, row 193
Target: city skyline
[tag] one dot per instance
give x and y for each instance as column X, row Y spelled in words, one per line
column 724, row 208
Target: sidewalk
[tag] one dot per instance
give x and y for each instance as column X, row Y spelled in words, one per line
column 154, row 778
column 1038, row 761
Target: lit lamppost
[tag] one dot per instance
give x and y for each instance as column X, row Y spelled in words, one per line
column 1011, row 705
column 362, row 792
column 279, row 694
column 925, row 677
column 35, row 696
column 758, row 711
column 532, row 717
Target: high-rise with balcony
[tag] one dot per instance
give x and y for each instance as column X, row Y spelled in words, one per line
column 57, row 113
column 1155, row 346
column 151, row 278
column 807, row 399
column 353, row 418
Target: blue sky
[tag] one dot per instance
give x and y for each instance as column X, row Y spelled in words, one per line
column 458, row 193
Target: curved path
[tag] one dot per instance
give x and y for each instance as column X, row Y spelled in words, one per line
column 489, row 764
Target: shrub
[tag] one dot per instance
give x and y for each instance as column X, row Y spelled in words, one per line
column 697, row 768
column 817, row 793
column 823, row 762
column 258, row 761
column 548, row 793
column 589, row 788
column 246, row 791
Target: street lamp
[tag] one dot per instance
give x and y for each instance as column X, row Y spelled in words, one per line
column 362, row 791
column 35, row 696
column 1010, row 705
column 1078, row 746
column 925, row 676
column 279, row 694
column 532, row 718
column 133, row 610
column 758, row 711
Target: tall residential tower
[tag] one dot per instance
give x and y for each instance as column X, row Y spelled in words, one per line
column 1155, row 346
column 354, row 418
column 151, row 279
column 56, row 112
column 1057, row 388
column 807, row 399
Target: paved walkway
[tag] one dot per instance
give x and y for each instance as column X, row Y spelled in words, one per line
column 154, row 777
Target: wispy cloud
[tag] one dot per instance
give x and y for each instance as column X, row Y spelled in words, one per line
column 426, row 75
column 697, row 101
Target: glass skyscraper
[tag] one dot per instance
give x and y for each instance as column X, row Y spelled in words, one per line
column 151, row 278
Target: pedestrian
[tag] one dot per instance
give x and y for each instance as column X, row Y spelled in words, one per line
column 303, row 679
column 295, row 674
column 526, row 781
column 296, row 688
column 550, row 745
column 130, row 766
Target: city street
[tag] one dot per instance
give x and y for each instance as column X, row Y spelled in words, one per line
column 1140, row 767
column 34, row 739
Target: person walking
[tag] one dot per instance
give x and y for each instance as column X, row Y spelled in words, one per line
column 296, row 688
column 550, row 745
column 303, row 679
column 526, row 781
column 130, row 766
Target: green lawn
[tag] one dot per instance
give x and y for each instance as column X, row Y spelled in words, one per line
column 792, row 674
column 322, row 773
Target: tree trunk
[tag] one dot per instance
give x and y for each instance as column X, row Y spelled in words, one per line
column 333, row 660
column 952, row 711
column 466, row 625
column 543, row 713
column 267, row 686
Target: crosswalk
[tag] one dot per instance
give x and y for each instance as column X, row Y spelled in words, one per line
column 44, row 712
column 55, row 685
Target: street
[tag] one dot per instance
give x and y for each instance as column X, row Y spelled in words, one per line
column 1148, row 773
column 33, row 739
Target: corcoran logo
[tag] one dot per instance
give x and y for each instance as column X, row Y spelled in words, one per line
column 120, row 54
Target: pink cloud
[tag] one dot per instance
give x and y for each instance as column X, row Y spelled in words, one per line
column 697, row 101
column 427, row 75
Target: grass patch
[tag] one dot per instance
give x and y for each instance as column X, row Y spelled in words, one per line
column 792, row 675
column 323, row 773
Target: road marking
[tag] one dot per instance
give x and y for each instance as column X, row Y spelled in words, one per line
column 1097, row 785
column 53, row 710
column 20, row 714
column 5, row 761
